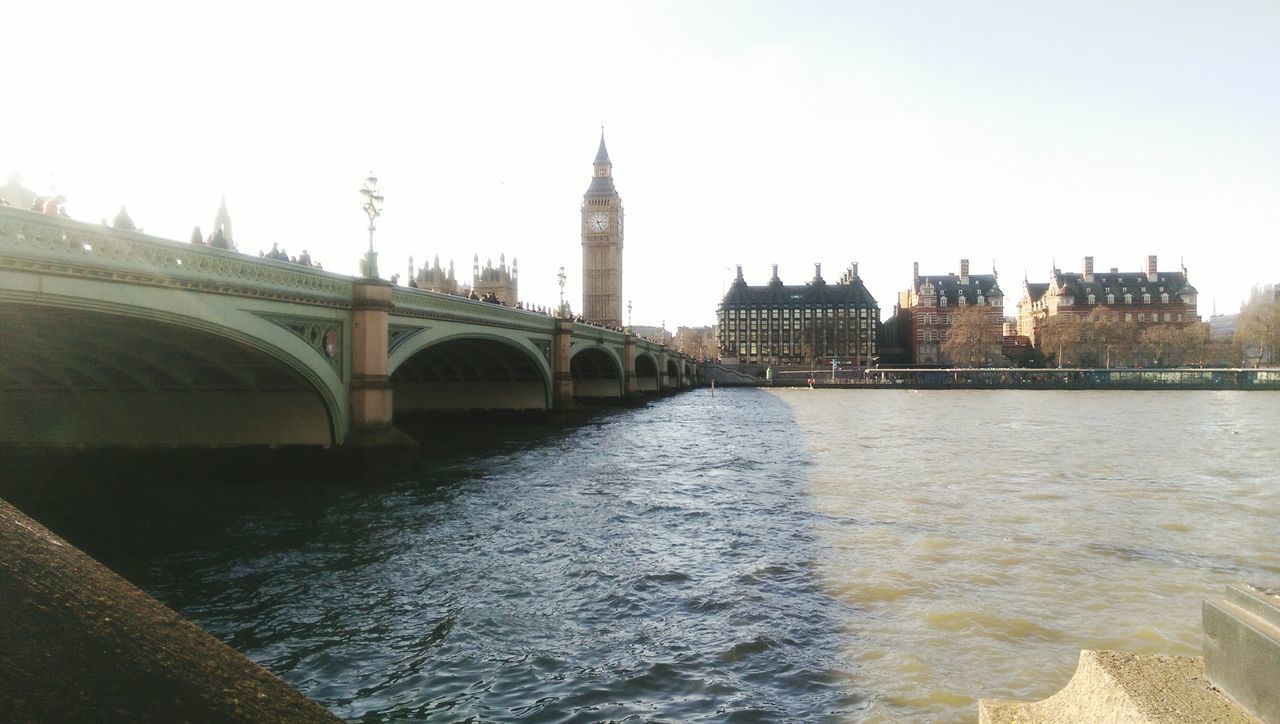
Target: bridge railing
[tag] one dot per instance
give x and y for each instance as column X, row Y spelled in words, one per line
column 58, row 245
column 438, row 305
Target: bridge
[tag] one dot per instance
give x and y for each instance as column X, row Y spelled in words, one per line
column 112, row 337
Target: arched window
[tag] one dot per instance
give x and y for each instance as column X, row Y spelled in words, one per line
column 1164, row 298
column 942, row 302
column 1111, row 298
column 1128, row 299
column 1146, row 298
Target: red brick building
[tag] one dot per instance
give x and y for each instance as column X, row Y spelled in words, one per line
column 926, row 311
column 1147, row 298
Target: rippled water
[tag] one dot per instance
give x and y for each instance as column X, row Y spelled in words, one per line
column 849, row 555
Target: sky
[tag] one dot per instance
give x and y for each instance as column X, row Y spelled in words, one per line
column 1018, row 135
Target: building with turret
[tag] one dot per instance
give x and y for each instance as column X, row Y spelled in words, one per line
column 602, row 245
column 501, row 281
column 928, row 309
column 811, row 323
column 434, row 278
column 222, row 224
column 1146, row 298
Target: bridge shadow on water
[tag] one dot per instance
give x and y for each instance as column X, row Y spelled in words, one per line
column 121, row 505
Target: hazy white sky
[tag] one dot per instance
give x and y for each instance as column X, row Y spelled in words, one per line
column 741, row 133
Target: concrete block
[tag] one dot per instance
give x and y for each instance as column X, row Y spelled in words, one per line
column 1242, row 648
column 1112, row 686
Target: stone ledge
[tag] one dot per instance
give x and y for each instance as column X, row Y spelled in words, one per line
column 80, row 643
column 1117, row 686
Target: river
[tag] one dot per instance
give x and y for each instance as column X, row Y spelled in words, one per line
column 747, row 555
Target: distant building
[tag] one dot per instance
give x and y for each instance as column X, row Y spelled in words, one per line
column 222, row 223
column 17, row 195
column 812, row 323
column 926, row 311
column 1147, row 298
column 697, row 342
column 501, row 281
column 433, row 277
column 657, row 334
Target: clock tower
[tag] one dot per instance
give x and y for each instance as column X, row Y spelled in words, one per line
column 602, row 245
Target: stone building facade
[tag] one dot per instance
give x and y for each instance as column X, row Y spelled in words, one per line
column 602, row 245
column 1147, row 298
column 434, row 278
column 927, row 311
column 501, row 281
column 811, row 323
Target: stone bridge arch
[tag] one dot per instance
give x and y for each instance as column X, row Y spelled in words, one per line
column 448, row 369
column 91, row 363
column 597, row 372
column 647, row 378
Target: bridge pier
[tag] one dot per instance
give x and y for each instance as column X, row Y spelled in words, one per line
column 370, row 390
column 631, row 386
column 562, row 384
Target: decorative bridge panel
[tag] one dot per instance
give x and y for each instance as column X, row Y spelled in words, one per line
column 29, row 240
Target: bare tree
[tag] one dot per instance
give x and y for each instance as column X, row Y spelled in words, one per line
column 1109, row 337
column 1258, row 327
column 1165, row 343
column 1059, row 335
column 974, row 337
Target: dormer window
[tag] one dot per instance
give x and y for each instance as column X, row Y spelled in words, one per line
column 1164, row 297
column 1093, row 299
column 1146, row 298
column 981, row 300
column 1111, row 298
column 1128, row 299
column 942, row 302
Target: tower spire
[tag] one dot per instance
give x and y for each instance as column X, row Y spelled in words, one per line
column 602, row 155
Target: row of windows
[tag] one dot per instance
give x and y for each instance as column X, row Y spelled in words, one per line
column 950, row 319
column 789, row 351
column 929, row 301
column 795, row 313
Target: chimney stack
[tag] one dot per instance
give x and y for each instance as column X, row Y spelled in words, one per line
column 915, row 273
column 964, row 271
column 855, row 270
column 817, row 271
column 775, row 271
column 1151, row 268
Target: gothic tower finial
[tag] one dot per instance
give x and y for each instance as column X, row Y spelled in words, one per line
column 602, row 155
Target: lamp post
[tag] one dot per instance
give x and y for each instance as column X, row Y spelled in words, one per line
column 372, row 207
column 628, row 315
column 560, row 277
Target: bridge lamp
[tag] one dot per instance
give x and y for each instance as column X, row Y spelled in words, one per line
column 372, row 207
column 561, row 278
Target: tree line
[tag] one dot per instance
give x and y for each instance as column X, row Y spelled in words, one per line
column 1103, row 338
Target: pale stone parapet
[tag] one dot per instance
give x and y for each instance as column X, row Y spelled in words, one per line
column 1112, row 686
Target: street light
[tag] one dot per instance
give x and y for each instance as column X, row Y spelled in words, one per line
column 560, row 277
column 372, row 207
column 628, row 315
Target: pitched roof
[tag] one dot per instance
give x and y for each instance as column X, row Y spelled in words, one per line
column 1121, row 283
column 951, row 288
column 1035, row 291
column 811, row 293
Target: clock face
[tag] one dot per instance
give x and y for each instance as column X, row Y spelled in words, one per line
column 598, row 221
